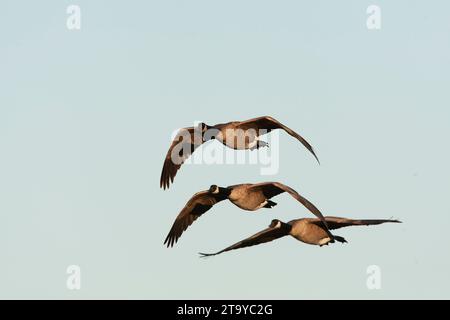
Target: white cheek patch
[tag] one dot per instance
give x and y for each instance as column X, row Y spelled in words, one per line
column 278, row 225
column 216, row 190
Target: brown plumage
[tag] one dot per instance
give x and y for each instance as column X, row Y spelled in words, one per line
column 307, row 230
column 247, row 196
column 239, row 135
column 194, row 208
column 183, row 145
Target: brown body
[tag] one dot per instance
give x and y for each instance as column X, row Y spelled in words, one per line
column 309, row 231
column 246, row 197
column 233, row 137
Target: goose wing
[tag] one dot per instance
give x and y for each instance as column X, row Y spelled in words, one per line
column 272, row 189
column 270, row 124
column 194, row 208
column 338, row 222
column 183, row 145
column 269, row 234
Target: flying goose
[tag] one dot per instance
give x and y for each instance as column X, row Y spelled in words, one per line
column 307, row 230
column 238, row 135
column 247, row 196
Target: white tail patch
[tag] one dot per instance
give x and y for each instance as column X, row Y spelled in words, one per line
column 262, row 204
column 324, row 241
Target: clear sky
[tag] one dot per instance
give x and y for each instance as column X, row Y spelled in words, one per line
column 86, row 117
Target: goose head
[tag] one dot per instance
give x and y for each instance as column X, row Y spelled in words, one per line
column 286, row 227
column 214, row 189
column 207, row 132
column 275, row 223
column 202, row 127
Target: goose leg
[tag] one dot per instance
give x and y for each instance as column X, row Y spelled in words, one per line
column 270, row 204
column 258, row 144
column 261, row 144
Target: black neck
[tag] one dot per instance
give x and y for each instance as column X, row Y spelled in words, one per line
column 223, row 192
column 286, row 227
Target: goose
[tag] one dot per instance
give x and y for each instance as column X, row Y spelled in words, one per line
column 306, row 230
column 238, row 135
column 246, row 196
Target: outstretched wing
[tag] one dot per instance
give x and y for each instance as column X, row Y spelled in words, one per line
column 337, row 222
column 272, row 189
column 183, row 145
column 263, row 236
column 194, row 208
column 270, row 124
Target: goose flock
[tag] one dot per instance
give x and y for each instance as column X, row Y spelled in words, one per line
column 242, row 135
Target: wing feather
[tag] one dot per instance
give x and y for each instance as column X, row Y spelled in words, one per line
column 266, row 235
column 183, row 145
column 338, row 222
column 272, row 189
column 194, row 208
column 268, row 123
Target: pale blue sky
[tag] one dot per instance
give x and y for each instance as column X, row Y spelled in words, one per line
column 86, row 116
